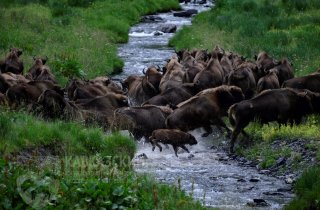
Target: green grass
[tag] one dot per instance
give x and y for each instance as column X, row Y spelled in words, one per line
column 263, row 136
column 307, row 189
column 92, row 184
column 283, row 28
column 80, row 38
column 20, row 131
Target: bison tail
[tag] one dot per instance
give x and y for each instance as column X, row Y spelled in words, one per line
column 231, row 115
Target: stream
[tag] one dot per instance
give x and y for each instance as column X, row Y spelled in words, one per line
column 207, row 174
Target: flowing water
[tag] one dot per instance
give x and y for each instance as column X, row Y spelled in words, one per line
column 206, row 174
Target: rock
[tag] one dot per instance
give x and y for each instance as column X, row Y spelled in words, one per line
column 287, row 189
column 157, row 33
column 272, row 193
column 264, row 172
column 289, row 180
column 186, row 13
column 168, row 28
column 241, row 180
column 151, row 18
column 190, row 156
column 281, row 161
column 258, row 202
column 142, row 156
column 254, row 180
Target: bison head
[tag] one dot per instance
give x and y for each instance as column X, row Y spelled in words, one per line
column 192, row 140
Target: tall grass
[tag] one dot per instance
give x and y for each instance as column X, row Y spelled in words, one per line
column 307, row 189
column 283, row 28
column 83, row 33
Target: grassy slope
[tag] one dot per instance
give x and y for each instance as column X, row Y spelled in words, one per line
column 79, row 40
column 283, row 28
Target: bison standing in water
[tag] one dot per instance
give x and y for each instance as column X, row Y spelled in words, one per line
column 281, row 105
column 174, row 137
column 141, row 121
column 205, row 109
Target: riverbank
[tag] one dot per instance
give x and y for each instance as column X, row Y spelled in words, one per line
column 79, row 37
column 59, row 165
column 283, row 29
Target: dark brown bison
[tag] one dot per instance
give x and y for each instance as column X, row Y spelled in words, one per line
column 284, row 71
column 265, row 62
column 40, row 71
column 9, row 79
column 270, row 81
column 174, row 137
column 141, row 88
column 173, row 96
column 29, row 92
column 174, row 74
column 81, row 89
column 205, row 109
column 141, row 121
column 280, row 105
column 12, row 62
column 211, row 76
column 310, row 82
column 52, row 105
column 107, row 103
column 243, row 78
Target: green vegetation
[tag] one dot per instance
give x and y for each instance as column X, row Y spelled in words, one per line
column 307, row 189
column 79, row 37
column 283, row 28
column 100, row 187
column 92, row 170
column 21, row 131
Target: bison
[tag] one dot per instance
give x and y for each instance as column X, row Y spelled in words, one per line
column 29, row 92
column 265, row 62
column 9, row 79
column 40, row 71
column 281, row 105
column 141, row 121
column 211, row 76
column 310, row 82
column 174, row 137
column 243, row 78
column 173, row 96
column 205, row 109
column 270, row 81
column 12, row 62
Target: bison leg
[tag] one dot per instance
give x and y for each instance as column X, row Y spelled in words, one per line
column 208, row 130
column 175, row 148
column 158, row 145
column 152, row 141
column 234, row 136
column 185, row 148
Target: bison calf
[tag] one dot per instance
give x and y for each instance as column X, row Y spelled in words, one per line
column 174, row 137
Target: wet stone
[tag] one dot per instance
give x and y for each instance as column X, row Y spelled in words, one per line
column 258, row 202
column 142, row 156
column 273, row 193
column 254, row 180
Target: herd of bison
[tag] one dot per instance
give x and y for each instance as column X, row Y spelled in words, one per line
column 194, row 89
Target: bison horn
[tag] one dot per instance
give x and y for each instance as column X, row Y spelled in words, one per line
column 144, row 71
column 158, row 68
